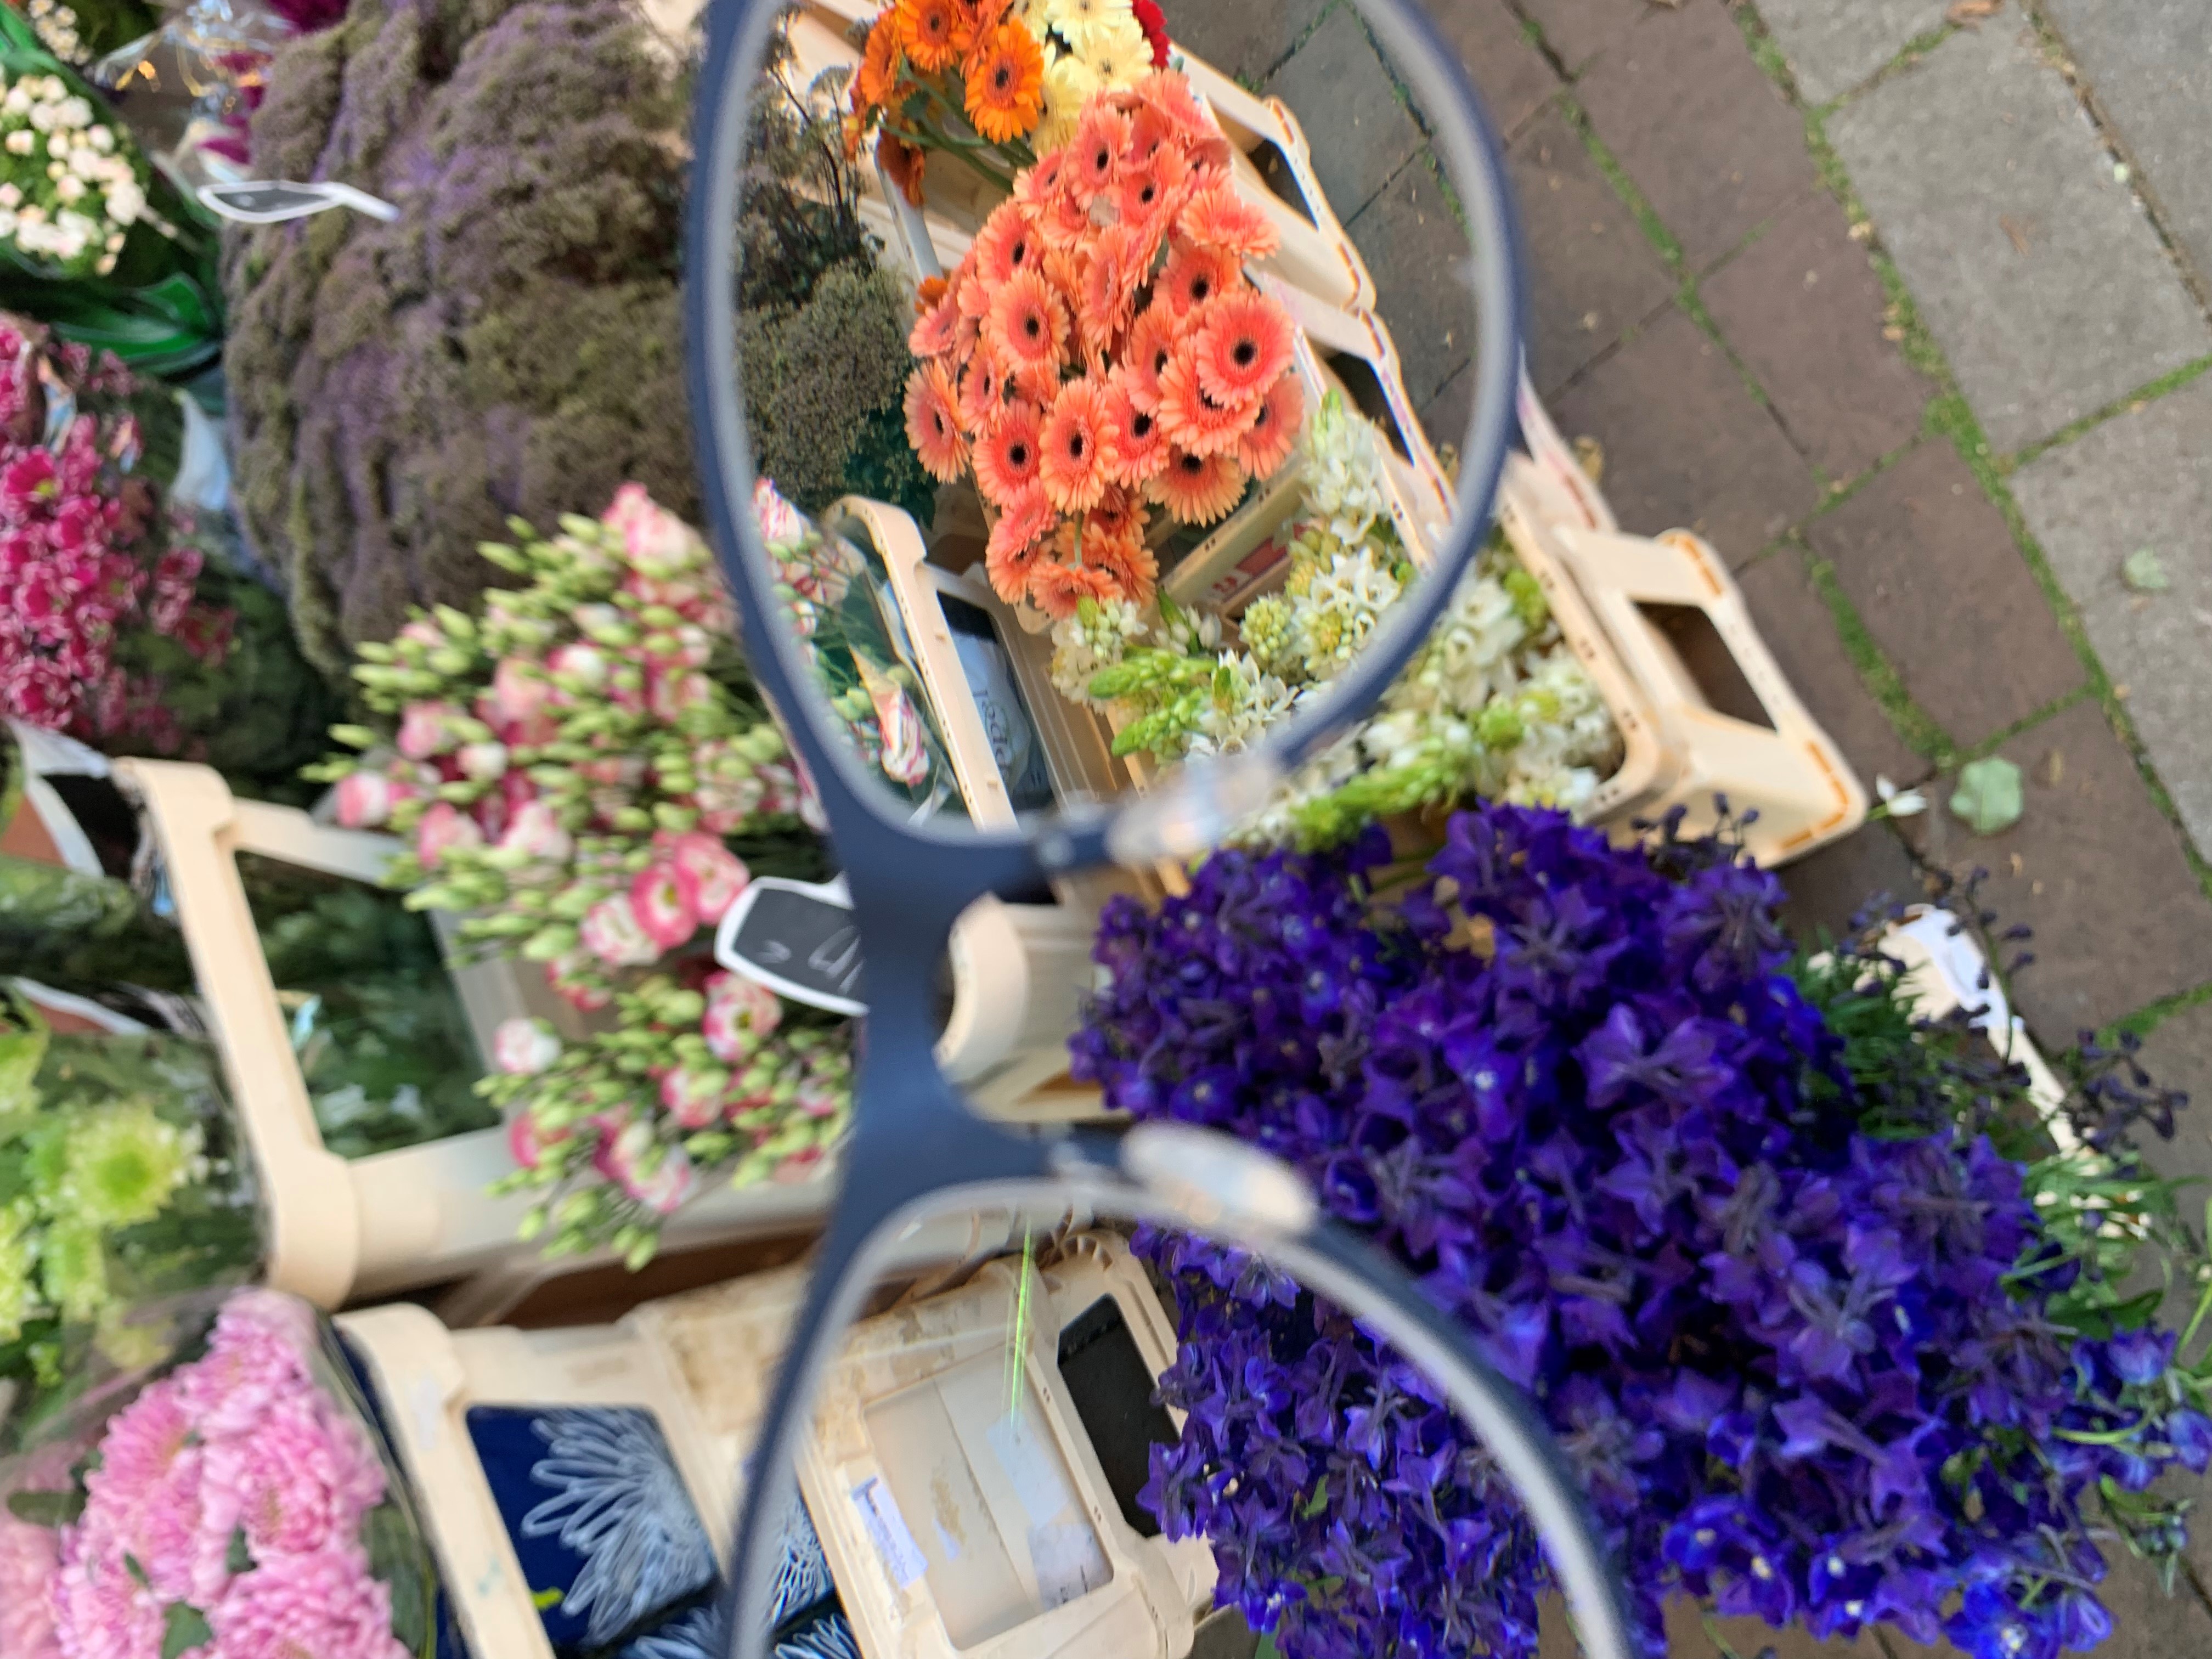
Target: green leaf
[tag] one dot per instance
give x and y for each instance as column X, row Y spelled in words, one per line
column 132, row 1565
column 1988, row 798
column 45, row 1509
column 545, row 1598
column 187, row 1629
column 240, row 1558
column 2143, row 573
column 1317, row 1502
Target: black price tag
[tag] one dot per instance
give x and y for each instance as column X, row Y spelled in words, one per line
column 797, row 938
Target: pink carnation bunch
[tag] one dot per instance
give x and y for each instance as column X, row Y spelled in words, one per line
column 236, row 1487
column 82, row 561
column 567, row 767
column 564, row 766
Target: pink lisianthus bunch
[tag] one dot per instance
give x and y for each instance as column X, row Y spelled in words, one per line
column 566, row 765
column 228, row 1501
column 85, row 562
column 703, row 1079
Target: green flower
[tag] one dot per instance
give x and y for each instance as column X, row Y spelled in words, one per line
column 19, row 1294
column 74, row 1269
column 122, row 1165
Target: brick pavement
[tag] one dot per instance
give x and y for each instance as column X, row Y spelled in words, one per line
column 1905, row 315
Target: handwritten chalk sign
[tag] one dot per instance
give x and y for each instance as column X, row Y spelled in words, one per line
column 272, row 201
column 797, row 938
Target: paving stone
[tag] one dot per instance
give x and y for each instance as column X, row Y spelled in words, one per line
column 1828, row 887
column 1803, row 309
column 1800, row 630
column 2044, row 284
column 1592, row 275
column 1361, row 134
column 2099, row 875
column 1832, row 47
column 1711, row 142
column 1245, row 42
column 2178, row 1055
column 1685, row 446
column 2143, row 480
column 2150, row 63
column 1446, row 415
column 1503, row 63
column 1417, row 252
column 1577, row 30
column 1930, row 567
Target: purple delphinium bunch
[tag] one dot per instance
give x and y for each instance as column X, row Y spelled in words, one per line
column 1793, row 1361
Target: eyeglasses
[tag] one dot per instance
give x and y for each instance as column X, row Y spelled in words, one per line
column 1089, row 445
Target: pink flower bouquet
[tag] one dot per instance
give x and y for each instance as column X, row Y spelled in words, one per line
column 237, row 1507
column 587, row 777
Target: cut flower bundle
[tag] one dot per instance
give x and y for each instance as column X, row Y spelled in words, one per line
column 1820, row 1358
column 238, row 1505
column 1101, row 352
column 572, row 767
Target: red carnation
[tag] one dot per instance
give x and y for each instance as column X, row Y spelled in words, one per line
column 1154, row 22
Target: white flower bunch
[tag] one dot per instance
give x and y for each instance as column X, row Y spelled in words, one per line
column 71, row 186
column 1090, row 47
column 56, row 27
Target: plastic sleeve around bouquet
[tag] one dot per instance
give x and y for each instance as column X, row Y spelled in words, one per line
column 237, row 1498
column 159, row 307
column 123, row 1182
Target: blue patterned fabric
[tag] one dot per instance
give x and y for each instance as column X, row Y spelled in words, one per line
column 605, row 1531
column 802, row 1577
column 826, row 1637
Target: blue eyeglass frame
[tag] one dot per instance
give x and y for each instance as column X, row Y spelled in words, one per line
column 915, row 1144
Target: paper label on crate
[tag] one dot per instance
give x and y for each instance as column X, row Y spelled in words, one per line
column 1067, row 1561
column 1032, row 1468
column 887, row 1530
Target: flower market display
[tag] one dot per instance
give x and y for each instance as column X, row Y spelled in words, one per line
column 1100, row 352
column 124, row 1184
column 128, row 626
column 991, row 84
column 239, row 1503
column 574, row 767
column 1495, row 705
column 1813, row 1310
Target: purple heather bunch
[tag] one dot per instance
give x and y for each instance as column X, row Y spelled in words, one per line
column 1796, row 1363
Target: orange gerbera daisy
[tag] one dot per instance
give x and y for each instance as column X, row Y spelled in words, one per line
column 1193, row 421
column 1026, row 325
column 1169, row 92
column 1220, row 219
column 1016, row 544
column 903, row 163
column 1120, row 516
column 933, row 33
column 1150, row 134
column 1199, row 488
column 982, row 393
column 1267, row 442
column 1038, row 385
column 1120, row 261
column 1005, row 83
column 1147, row 352
column 1193, row 276
column 1064, row 219
column 1135, row 571
column 1008, row 454
column 878, row 65
column 1007, row 243
column 1036, row 187
column 1242, row 342
column 1073, row 469
column 1058, row 589
column 937, row 330
column 928, row 292
column 932, row 424
column 1137, row 445
column 1149, row 192
column 1101, row 136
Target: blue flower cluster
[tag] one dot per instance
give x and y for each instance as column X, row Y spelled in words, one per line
column 1797, row 1363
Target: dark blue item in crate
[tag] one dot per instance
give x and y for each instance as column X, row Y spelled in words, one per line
column 609, row 1539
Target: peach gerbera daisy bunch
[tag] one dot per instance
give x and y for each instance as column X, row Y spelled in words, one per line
column 991, row 80
column 1100, row 356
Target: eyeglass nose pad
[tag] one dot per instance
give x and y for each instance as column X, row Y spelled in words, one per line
column 1216, row 1181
